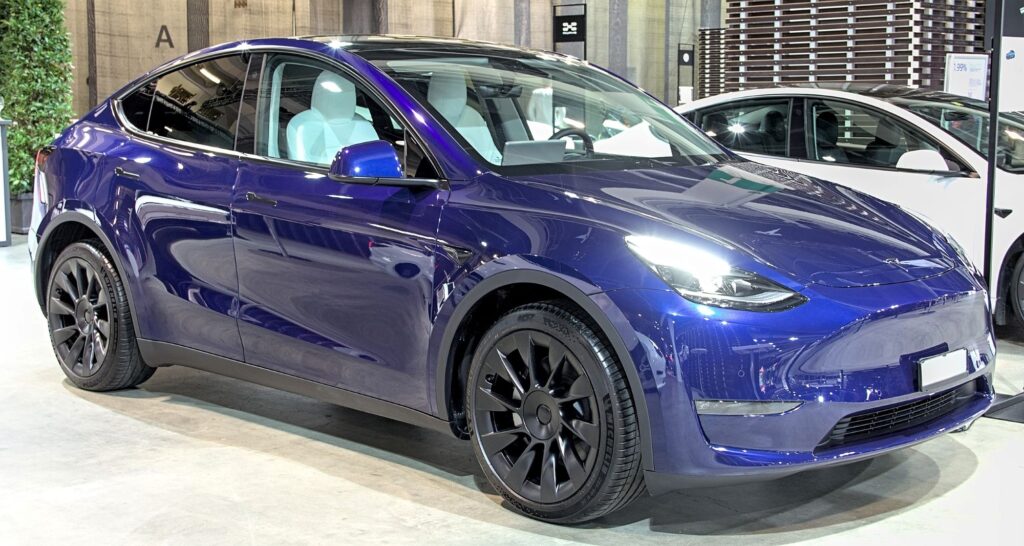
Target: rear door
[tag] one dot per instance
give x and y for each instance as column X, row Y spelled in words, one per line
column 178, row 171
column 336, row 280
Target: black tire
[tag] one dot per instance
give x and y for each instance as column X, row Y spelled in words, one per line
column 1017, row 295
column 576, row 413
column 90, row 322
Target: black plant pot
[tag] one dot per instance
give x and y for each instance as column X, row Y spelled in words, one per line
column 21, row 212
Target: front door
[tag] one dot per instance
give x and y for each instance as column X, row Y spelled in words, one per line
column 336, row 280
column 861, row 147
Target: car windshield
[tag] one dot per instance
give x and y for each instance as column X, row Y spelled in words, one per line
column 967, row 120
column 534, row 113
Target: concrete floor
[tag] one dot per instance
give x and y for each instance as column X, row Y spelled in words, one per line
column 195, row 458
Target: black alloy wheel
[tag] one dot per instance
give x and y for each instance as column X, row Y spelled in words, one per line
column 537, row 416
column 79, row 313
column 551, row 416
column 90, row 321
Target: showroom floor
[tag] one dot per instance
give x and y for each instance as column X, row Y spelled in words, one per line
column 199, row 459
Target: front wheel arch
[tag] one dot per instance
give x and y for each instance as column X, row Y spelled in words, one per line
column 1004, row 307
column 545, row 286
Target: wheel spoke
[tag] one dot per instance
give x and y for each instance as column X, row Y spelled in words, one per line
column 495, row 442
column 588, row 432
column 494, row 402
column 525, row 346
column 571, row 461
column 556, row 359
column 506, row 366
column 79, row 280
column 61, row 307
column 99, row 348
column 101, row 299
column 61, row 335
column 66, row 283
column 516, row 477
column 90, row 350
column 90, row 282
column 580, row 389
column 103, row 327
column 75, row 352
column 548, row 475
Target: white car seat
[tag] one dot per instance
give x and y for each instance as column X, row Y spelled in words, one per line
column 447, row 94
column 330, row 124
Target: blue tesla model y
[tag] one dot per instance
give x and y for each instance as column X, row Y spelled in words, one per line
column 511, row 246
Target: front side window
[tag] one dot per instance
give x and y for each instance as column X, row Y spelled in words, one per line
column 844, row 133
column 199, row 103
column 968, row 122
column 544, row 113
column 753, row 126
column 310, row 111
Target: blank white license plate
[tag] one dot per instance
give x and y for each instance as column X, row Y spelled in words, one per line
column 942, row 368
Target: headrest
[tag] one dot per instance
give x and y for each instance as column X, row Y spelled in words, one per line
column 447, row 93
column 334, row 97
column 774, row 119
column 541, row 106
column 827, row 125
column 716, row 123
column 827, row 119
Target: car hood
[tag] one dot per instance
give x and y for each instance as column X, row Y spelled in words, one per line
column 810, row 230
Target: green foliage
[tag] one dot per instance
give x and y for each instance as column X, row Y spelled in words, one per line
column 35, row 80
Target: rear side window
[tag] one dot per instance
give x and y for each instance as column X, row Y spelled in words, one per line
column 200, row 103
column 136, row 106
column 753, row 126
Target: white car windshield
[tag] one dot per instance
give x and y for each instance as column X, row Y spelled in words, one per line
column 967, row 120
column 536, row 113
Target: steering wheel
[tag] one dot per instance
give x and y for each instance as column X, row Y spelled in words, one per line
column 588, row 143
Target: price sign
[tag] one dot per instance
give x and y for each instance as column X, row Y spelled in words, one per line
column 967, row 75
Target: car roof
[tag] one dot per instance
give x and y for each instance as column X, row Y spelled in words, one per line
column 882, row 92
column 371, row 43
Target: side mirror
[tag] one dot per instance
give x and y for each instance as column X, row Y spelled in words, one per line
column 923, row 160
column 366, row 162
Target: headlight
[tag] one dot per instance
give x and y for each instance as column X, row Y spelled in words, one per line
column 704, row 278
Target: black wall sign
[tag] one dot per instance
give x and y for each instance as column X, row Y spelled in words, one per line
column 570, row 28
column 1013, row 19
column 685, row 57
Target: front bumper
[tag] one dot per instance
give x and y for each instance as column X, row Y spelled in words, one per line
column 846, row 352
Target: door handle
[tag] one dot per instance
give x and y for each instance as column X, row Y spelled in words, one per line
column 1002, row 213
column 119, row 171
column 253, row 198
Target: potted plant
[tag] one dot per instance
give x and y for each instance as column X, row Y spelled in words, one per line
column 35, row 81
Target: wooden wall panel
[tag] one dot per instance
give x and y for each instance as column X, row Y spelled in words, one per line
column 780, row 42
column 259, row 19
column 420, row 17
column 133, row 37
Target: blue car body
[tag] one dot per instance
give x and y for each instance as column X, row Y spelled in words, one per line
column 363, row 294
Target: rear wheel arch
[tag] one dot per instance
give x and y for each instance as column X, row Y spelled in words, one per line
column 66, row 229
column 490, row 299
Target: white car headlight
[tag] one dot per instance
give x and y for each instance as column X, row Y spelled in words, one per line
column 704, row 278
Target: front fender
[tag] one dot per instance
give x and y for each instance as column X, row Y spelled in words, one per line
column 518, row 270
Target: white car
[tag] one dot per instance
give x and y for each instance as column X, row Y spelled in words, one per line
column 923, row 150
